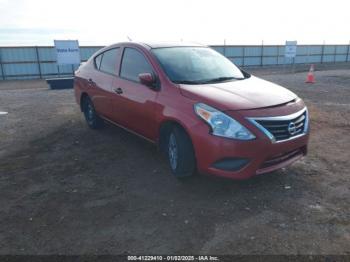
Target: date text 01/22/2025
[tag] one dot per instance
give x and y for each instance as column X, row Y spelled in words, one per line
column 173, row 258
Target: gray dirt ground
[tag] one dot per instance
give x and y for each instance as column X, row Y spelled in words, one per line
column 65, row 189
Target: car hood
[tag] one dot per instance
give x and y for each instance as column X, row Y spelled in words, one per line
column 249, row 93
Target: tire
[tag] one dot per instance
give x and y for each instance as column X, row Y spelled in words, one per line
column 180, row 153
column 91, row 117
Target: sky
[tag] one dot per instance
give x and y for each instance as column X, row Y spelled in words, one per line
column 103, row 22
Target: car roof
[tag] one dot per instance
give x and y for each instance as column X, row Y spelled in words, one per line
column 150, row 45
column 169, row 44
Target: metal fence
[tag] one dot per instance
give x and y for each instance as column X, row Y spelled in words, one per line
column 40, row 62
column 34, row 62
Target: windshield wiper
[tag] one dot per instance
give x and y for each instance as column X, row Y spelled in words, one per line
column 187, row 82
column 221, row 79
column 207, row 81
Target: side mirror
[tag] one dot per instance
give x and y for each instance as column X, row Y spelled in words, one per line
column 148, row 79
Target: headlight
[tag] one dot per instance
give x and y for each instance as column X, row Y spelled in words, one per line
column 222, row 124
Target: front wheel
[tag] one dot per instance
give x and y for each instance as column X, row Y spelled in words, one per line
column 180, row 153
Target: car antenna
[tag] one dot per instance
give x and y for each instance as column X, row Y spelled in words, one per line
column 129, row 38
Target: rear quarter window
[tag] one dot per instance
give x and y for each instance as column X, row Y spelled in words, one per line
column 97, row 61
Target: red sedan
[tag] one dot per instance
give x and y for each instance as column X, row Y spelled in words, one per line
column 204, row 113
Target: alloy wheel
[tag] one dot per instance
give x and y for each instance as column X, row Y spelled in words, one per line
column 173, row 151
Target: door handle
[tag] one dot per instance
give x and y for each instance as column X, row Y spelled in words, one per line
column 91, row 82
column 118, row 90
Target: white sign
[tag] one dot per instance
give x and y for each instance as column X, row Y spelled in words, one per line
column 291, row 49
column 67, row 52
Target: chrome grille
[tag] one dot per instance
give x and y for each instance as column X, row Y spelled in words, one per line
column 282, row 128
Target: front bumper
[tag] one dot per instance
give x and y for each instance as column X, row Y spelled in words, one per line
column 261, row 154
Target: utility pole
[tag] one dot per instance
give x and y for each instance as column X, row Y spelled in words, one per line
column 262, row 53
column 224, row 47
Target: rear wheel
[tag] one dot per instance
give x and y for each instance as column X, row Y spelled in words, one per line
column 180, row 153
column 91, row 117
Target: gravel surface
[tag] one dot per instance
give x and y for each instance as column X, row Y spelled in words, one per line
column 66, row 189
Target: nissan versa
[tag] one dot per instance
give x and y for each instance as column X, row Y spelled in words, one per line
column 199, row 108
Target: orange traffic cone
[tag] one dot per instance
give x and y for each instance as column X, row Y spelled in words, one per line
column 310, row 76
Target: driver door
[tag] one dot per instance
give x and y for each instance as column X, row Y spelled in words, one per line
column 135, row 103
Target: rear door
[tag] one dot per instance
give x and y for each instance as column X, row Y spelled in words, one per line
column 102, row 79
column 134, row 103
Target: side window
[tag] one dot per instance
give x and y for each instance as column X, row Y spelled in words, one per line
column 109, row 61
column 133, row 64
column 98, row 61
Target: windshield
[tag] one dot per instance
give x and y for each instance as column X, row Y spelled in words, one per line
column 196, row 65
